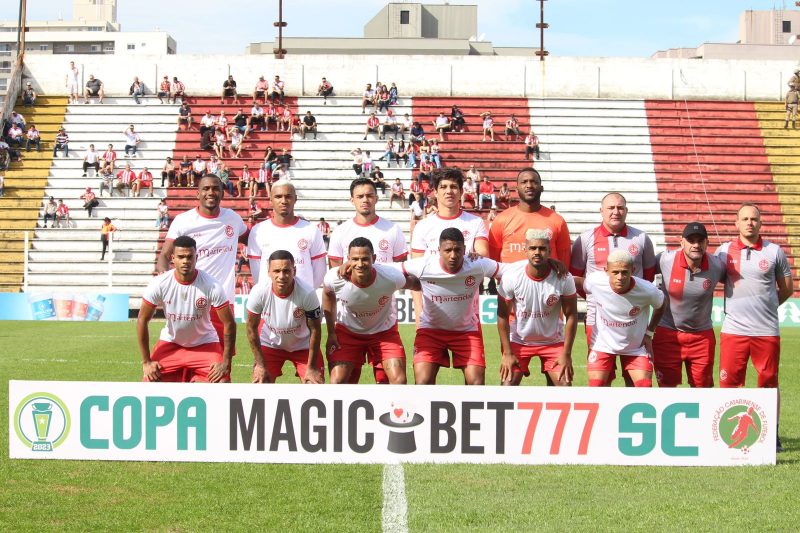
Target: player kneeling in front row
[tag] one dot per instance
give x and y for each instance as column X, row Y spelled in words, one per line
column 292, row 323
column 538, row 297
column 365, row 319
column 623, row 307
column 449, row 319
column 188, row 349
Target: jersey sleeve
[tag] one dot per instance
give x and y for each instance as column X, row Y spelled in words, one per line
column 563, row 242
column 217, row 296
column 153, row 293
column 310, row 302
column 489, row 267
column 657, row 297
column 335, row 246
column 782, row 267
column 588, row 284
column 481, row 232
column 330, row 277
column 648, row 260
column 175, row 230
column 496, row 239
column 568, row 286
column 400, row 251
column 396, row 275
column 255, row 300
column 578, row 258
column 418, row 239
column 413, row 267
column 241, row 227
column 659, row 256
column 253, row 247
column 505, row 289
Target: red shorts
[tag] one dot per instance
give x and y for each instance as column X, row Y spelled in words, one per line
column 377, row 347
column 606, row 362
column 431, row 346
column 274, row 359
column 146, row 184
column 220, row 329
column 673, row 348
column 736, row 349
column 548, row 354
column 180, row 364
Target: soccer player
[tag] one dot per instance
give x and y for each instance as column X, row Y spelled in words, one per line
column 286, row 231
column 622, row 329
column 538, row 297
column 684, row 335
column 292, row 323
column 449, row 318
column 365, row 320
column 188, row 349
column 507, row 235
column 759, row 280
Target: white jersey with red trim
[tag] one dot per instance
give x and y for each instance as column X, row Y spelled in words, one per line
column 187, row 307
column 302, row 239
column 425, row 238
column 216, row 238
column 621, row 318
column 386, row 237
column 450, row 299
column 370, row 309
column 537, row 309
column 284, row 325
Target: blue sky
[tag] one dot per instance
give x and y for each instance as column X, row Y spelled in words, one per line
column 577, row 27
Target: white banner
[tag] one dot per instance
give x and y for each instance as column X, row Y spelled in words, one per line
column 384, row 424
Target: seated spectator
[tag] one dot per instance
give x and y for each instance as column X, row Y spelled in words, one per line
column 18, row 119
column 512, row 127
column 276, row 90
column 473, row 173
column 417, row 133
column 367, row 163
column 504, row 196
column 531, row 146
column 425, row 169
column 178, row 90
column 296, row 126
column 457, row 119
column 185, row 115
column 224, row 174
column 417, row 214
column 285, row 158
column 33, row 137
column 89, row 201
column 441, row 124
column 393, row 94
column 221, row 122
column 270, row 158
column 220, row 143
column 280, row 173
column 208, row 138
column 273, row 114
column 486, row 190
column 383, row 99
column 164, row 90
column 212, row 166
column 401, row 153
column 491, row 216
column 50, row 208
column 240, row 122
column 424, row 151
column 358, row 162
column 145, row 181
column 257, row 118
column 185, row 170
column 109, row 158
column 488, row 125
column 132, row 141
column 243, row 184
column 397, row 192
column 325, row 229
column 368, row 98
column 106, row 181
column 15, row 135
column 237, row 142
column 62, row 143
column 377, row 178
column 162, row 214
column 28, row 95
column 198, row 169
column 325, row 90
column 309, row 125
column 261, row 89
column 169, row 173
column 286, row 119
column 435, row 157
column 405, row 126
column 94, row 89
column 62, row 215
column 260, row 181
column 412, row 150
column 137, row 90
column 229, row 89
column 254, row 212
column 2, row 186
column 7, row 154
column 372, row 125
column 207, row 122
column 468, row 192
column 389, row 152
column 126, row 179
column 415, row 192
column 389, row 124
column 91, row 159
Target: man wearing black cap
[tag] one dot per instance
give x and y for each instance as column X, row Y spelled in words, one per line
column 684, row 335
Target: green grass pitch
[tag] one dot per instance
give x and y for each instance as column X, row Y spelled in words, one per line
column 124, row 496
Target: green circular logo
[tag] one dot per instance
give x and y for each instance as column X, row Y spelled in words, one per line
column 740, row 426
column 42, row 421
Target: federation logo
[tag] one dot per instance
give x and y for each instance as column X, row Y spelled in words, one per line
column 763, row 265
column 740, row 425
column 635, row 310
column 229, row 231
column 302, row 245
column 706, row 284
column 470, row 281
column 42, row 422
column 383, row 245
column 382, row 300
column 201, row 303
column 551, row 300
column 297, row 313
column 633, row 250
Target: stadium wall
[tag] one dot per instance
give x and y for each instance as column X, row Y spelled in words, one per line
column 563, row 77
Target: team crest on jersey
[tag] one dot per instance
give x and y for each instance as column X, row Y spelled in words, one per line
column 298, row 313
column 706, row 284
column 470, row 281
column 302, row 245
column 633, row 250
column 201, row 303
column 383, row 245
column 592, row 356
column 382, row 300
column 551, row 300
column 229, row 231
column 635, row 310
column 763, row 265
column 465, row 233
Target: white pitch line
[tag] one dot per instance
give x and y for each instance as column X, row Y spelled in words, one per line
column 395, row 506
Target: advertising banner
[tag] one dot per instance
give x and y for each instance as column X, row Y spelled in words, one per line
column 384, row 424
column 64, row 306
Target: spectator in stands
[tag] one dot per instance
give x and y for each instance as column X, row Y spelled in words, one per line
column 106, row 181
column 132, row 141
column 389, row 152
column 473, row 173
column 285, row 158
column 441, row 124
column 15, row 135
column 384, row 98
column 220, row 143
column 208, row 138
column 185, row 172
column 178, row 90
column 488, row 125
column 109, row 158
column 261, row 181
column 396, row 191
column 62, row 143
column 164, row 90
column 6, row 149
column 393, row 94
column 389, row 124
column 162, row 213
column 486, row 190
column 207, row 122
column 457, row 119
column 89, row 201
column 229, row 89
column 325, row 229
column 791, row 101
column 434, row 154
column 168, row 173
column 270, row 158
column 280, row 173
column 237, row 142
column 243, row 184
column 489, row 219
column 309, row 125
column 411, row 151
column 504, row 196
column 373, row 125
column 794, row 81
column 137, row 90
column 531, row 145
column 240, row 122
column 91, row 159
column 368, row 98
column 185, row 115
column 2, row 186
column 254, row 212
column 468, row 193
column 285, row 119
column 358, row 162
column 71, row 83
column 261, row 89
column 405, row 126
column 417, row 214
column 367, row 163
column 378, row 179
column 28, row 95
column 296, row 126
column 425, row 169
column 276, row 90
column 33, row 137
column 417, row 133
column 198, row 169
column 62, row 215
column 94, row 89
column 50, row 212
column 325, row 90
column 145, row 181
column 271, row 115
column 401, row 153
column 415, row 193
column 105, row 230
column 212, row 165
column 257, row 118
column 221, row 122
column 126, row 179
column 512, row 127
column 224, row 174
column 424, row 151
column 18, row 119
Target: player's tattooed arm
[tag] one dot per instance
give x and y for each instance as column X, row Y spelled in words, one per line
column 260, row 373
column 313, row 373
column 221, row 371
